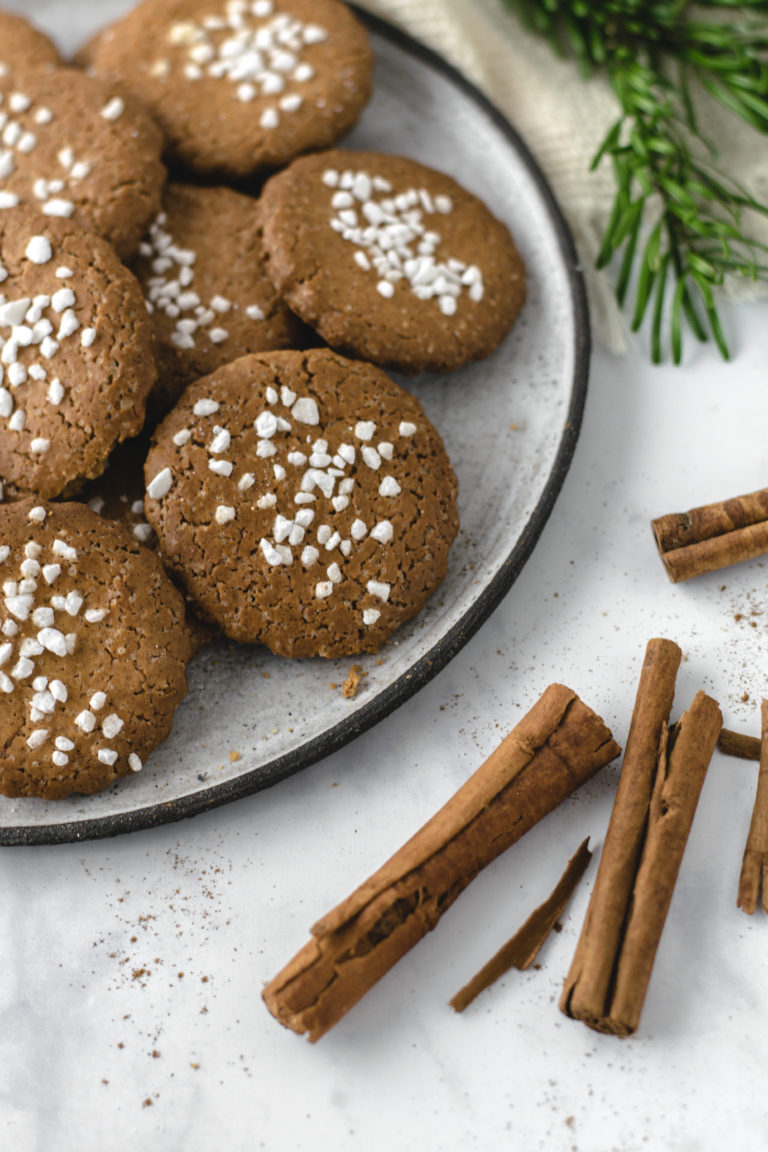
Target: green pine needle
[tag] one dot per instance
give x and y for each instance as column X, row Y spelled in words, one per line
column 677, row 222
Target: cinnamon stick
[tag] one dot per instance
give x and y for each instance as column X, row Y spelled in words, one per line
column 558, row 745
column 754, row 867
column 737, row 744
column 658, row 791
column 521, row 951
column 713, row 536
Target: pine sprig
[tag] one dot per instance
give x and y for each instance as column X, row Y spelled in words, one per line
column 677, row 223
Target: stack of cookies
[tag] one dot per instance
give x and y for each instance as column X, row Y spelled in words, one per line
column 197, row 432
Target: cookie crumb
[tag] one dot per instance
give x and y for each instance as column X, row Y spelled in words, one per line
column 235, row 756
column 352, row 682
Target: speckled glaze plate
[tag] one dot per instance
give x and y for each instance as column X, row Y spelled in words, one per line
column 510, row 426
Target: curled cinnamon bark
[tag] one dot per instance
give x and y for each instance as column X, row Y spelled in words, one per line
column 713, row 536
column 754, row 868
column 521, row 951
column 558, row 745
column 658, row 790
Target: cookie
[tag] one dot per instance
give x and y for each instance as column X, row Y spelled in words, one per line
column 93, row 649
column 118, row 494
column 304, row 500
column 240, row 86
column 23, row 44
column 391, row 261
column 78, row 148
column 76, row 360
column 208, row 294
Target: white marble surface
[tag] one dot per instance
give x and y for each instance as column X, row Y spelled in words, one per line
column 130, row 1009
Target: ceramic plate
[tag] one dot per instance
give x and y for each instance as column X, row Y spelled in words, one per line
column 509, row 423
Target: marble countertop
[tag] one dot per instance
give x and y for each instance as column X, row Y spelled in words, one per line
column 130, row 1007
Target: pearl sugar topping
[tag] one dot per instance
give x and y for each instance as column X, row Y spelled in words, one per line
column 24, row 123
column 317, row 537
column 171, row 290
column 392, row 239
column 258, row 48
column 39, row 621
column 32, row 330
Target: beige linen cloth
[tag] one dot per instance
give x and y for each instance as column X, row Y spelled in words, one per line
column 563, row 119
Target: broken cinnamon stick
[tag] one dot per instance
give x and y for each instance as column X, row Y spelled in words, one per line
column 656, row 798
column 521, row 951
column 737, row 744
column 713, row 536
column 754, row 867
column 558, row 745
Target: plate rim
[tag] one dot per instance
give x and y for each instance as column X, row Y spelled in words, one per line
column 443, row 651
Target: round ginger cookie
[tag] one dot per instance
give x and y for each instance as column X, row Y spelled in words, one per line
column 391, row 261
column 240, row 85
column 93, row 649
column 304, row 500
column 76, row 359
column 80, row 148
column 24, row 45
column 203, row 277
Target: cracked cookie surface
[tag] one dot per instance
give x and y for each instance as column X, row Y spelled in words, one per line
column 210, row 299
column 304, row 500
column 93, row 650
column 391, row 261
column 82, row 149
column 76, row 355
column 239, row 86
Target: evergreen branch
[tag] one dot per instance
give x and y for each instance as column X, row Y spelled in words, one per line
column 676, row 220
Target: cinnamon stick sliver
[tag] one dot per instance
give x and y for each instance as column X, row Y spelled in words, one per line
column 522, row 949
column 713, row 536
column 558, row 745
column 658, row 791
column 754, row 868
column 737, row 744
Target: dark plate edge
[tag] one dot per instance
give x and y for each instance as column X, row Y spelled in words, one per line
column 443, row 652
